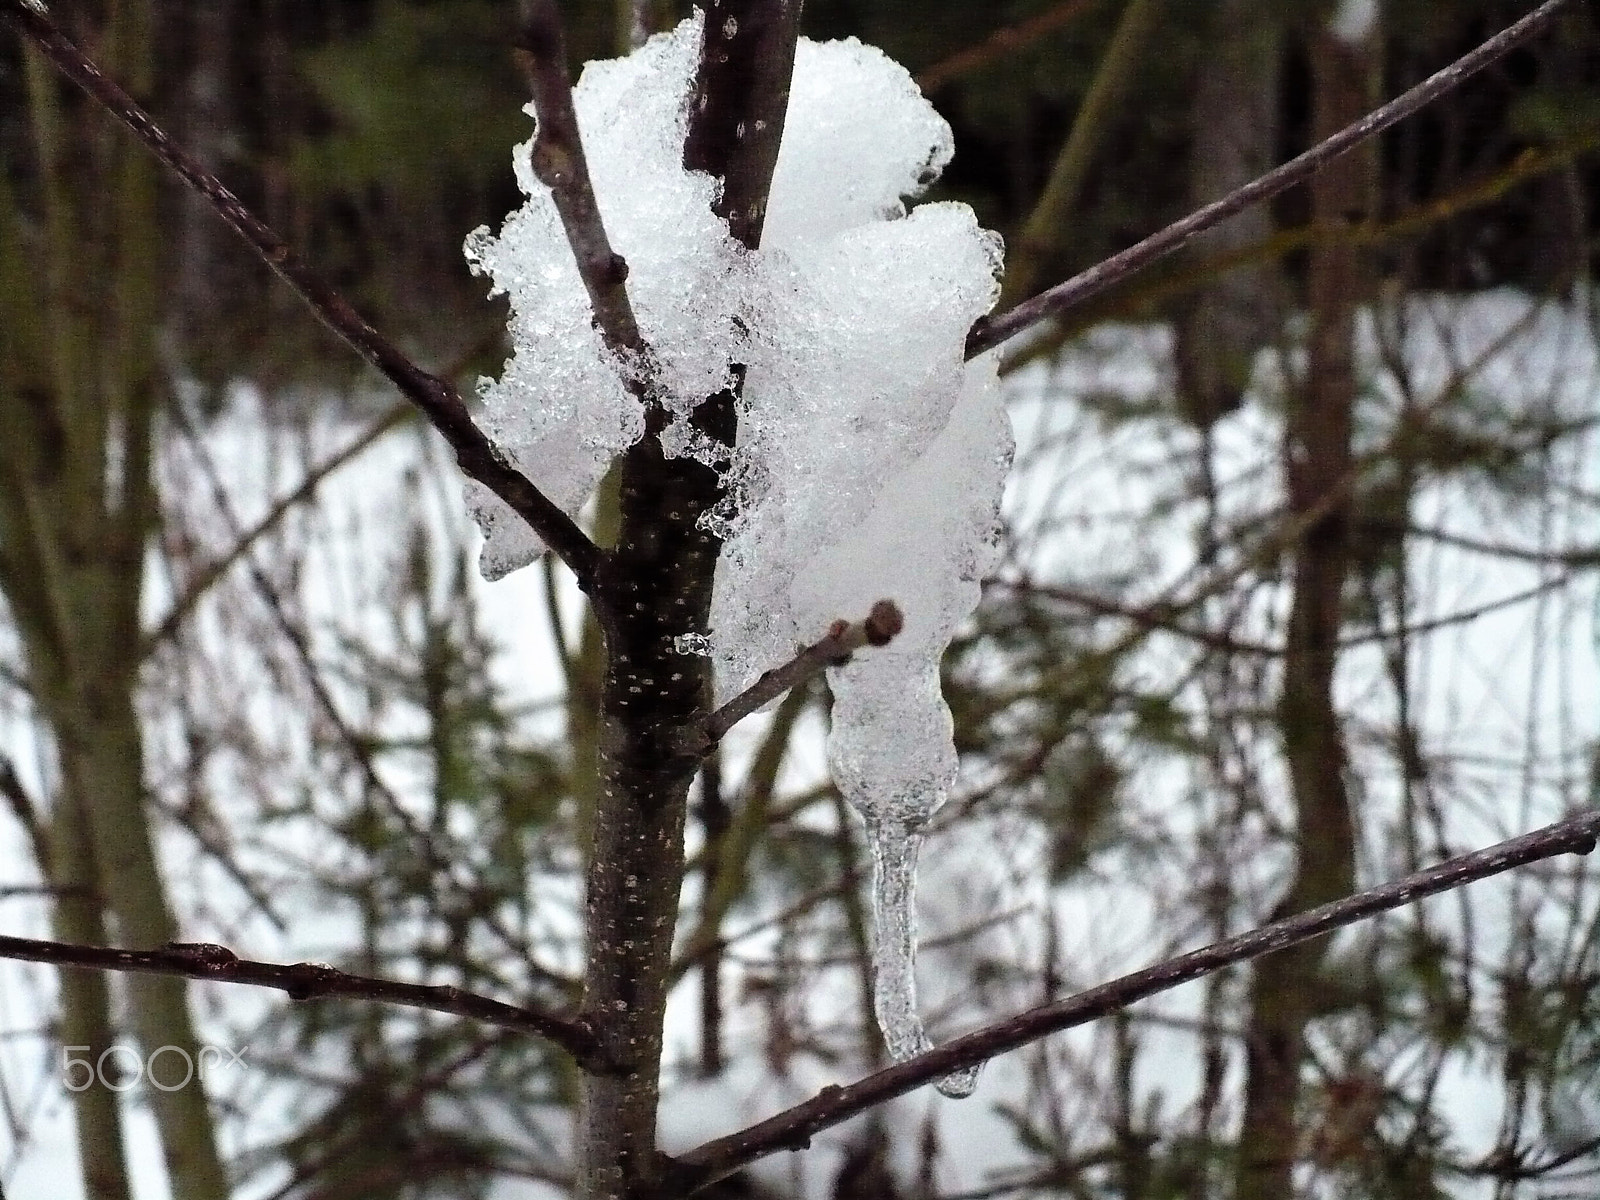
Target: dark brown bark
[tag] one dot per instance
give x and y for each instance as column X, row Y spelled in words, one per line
column 715, row 817
column 655, row 587
column 1318, row 459
column 559, row 163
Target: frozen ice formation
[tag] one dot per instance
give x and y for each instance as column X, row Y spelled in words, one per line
column 870, row 455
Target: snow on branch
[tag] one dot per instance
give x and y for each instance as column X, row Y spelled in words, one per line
column 310, row 981
column 558, row 162
column 794, row 1128
column 823, row 319
column 740, row 104
column 478, row 457
column 989, row 332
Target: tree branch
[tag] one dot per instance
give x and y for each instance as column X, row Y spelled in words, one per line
column 559, row 164
column 312, row 981
column 841, row 641
column 989, row 332
column 206, row 577
column 1002, row 43
column 439, row 401
column 794, row 1128
column 741, row 97
column 27, row 812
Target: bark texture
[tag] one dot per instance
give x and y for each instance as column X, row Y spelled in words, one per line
column 653, row 587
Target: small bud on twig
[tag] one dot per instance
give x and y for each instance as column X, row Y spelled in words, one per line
column 882, row 625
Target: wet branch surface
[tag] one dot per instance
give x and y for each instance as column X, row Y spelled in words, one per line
column 438, row 400
column 312, row 981
column 989, row 332
column 794, row 1128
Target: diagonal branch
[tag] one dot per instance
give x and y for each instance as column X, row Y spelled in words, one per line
column 312, row 981
column 208, row 575
column 559, row 164
column 989, row 332
column 794, row 1128
column 1002, row 43
column 842, row 640
column 439, row 401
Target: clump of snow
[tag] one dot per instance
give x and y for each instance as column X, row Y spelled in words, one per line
column 870, row 455
column 562, row 409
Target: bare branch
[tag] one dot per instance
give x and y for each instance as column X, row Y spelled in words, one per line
column 208, row 575
column 794, row 1128
column 439, row 401
column 358, row 747
column 989, row 332
column 26, row 810
column 559, row 163
column 841, row 641
column 313, row 981
column 1002, row 43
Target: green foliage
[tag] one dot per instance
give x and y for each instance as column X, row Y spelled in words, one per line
column 1079, row 794
column 427, row 96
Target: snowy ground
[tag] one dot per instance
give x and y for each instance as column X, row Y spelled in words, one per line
column 1506, row 693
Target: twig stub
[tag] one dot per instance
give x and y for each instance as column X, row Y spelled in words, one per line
column 883, row 623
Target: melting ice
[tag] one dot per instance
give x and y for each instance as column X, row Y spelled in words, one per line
column 870, row 456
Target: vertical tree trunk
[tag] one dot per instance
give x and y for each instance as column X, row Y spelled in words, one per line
column 78, row 401
column 86, row 1005
column 1318, row 462
column 650, row 698
column 1234, row 139
column 654, row 587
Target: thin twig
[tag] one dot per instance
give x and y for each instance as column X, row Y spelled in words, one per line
column 559, row 163
column 478, row 456
column 26, row 810
column 794, row 1128
column 1000, row 44
column 1153, row 293
column 841, row 641
column 207, row 576
column 989, row 332
column 1168, row 618
column 311, row 981
column 442, row 865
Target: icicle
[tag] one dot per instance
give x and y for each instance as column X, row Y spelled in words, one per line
column 895, row 846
